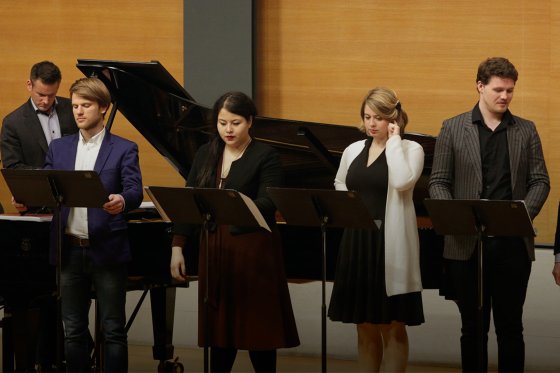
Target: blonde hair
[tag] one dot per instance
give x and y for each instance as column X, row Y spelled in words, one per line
column 92, row 89
column 384, row 102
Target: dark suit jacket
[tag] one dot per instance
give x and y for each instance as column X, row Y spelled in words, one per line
column 118, row 168
column 457, row 172
column 22, row 140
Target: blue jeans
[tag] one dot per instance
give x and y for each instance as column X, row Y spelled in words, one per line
column 78, row 275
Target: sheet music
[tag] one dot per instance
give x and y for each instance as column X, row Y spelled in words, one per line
column 147, row 205
column 211, row 201
column 30, row 217
column 255, row 211
column 157, row 205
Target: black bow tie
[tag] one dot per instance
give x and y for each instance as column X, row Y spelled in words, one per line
column 47, row 113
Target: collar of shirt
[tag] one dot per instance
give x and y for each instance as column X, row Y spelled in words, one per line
column 87, row 152
column 95, row 140
column 477, row 118
column 47, row 113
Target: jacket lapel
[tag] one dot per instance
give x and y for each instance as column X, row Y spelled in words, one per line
column 514, row 148
column 65, row 126
column 472, row 146
column 72, row 153
column 34, row 127
column 68, row 162
column 104, row 151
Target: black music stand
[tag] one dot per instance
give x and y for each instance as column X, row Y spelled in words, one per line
column 481, row 218
column 54, row 189
column 322, row 208
column 206, row 206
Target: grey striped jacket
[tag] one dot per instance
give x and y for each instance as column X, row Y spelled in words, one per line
column 457, row 172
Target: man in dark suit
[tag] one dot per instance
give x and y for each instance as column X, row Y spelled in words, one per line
column 28, row 130
column 96, row 247
column 489, row 153
column 26, row 133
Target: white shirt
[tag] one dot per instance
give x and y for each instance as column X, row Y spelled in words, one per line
column 86, row 156
column 49, row 122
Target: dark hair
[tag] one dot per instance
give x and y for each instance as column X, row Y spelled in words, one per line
column 495, row 66
column 236, row 103
column 45, row 71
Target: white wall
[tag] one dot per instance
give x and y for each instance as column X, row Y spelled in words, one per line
column 434, row 342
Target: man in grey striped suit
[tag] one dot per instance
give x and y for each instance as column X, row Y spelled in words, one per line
column 489, row 153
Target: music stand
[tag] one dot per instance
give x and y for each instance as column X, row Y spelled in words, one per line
column 481, row 218
column 205, row 206
column 322, row 208
column 54, row 189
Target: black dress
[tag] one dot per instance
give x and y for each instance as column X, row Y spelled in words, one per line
column 359, row 293
column 248, row 295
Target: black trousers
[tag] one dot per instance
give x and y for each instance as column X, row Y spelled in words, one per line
column 222, row 359
column 506, row 269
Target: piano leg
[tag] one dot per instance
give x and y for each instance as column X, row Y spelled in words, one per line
column 25, row 323
column 163, row 313
column 7, row 342
column 19, row 337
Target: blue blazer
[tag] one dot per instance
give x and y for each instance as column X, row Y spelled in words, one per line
column 118, row 168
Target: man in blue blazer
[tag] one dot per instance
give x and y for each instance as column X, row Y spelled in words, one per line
column 96, row 248
column 489, row 153
column 28, row 130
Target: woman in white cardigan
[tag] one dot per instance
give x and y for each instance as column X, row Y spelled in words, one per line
column 377, row 283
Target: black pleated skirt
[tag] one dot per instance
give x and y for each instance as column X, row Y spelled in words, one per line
column 359, row 293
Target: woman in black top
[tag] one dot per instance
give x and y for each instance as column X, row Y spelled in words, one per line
column 249, row 302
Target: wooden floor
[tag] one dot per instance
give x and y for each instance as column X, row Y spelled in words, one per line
column 140, row 360
column 192, row 359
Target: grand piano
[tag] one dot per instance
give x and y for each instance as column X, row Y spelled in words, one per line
column 176, row 125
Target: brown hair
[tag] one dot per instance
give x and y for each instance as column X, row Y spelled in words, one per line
column 45, row 71
column 92, row 89
column 384, row 102
column 495, row 66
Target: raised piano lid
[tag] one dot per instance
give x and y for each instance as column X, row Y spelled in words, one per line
column 176, row 125
column 156, row 104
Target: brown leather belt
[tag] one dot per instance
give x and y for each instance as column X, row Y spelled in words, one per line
column 77, row 241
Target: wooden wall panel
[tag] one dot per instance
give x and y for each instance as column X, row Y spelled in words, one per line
column 317, row 59
column 63, row 31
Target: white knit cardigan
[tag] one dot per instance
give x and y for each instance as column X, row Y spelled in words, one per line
column 405, row 161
